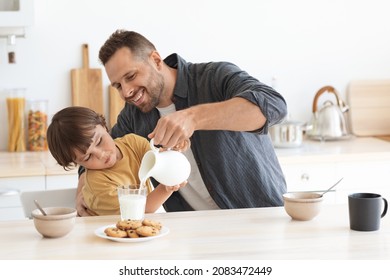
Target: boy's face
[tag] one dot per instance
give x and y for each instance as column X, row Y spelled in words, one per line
column 101, row 154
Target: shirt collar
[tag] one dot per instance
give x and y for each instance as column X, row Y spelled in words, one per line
column 181, row 86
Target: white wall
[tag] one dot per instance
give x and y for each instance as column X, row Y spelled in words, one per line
column 305, row 44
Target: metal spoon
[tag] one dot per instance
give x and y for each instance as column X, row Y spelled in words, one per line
column 40, row 208
column 332, row 187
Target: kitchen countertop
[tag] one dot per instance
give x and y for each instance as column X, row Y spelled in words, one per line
column 42, row 163
column 355, row 148
column 256, row 233
column 19, row 164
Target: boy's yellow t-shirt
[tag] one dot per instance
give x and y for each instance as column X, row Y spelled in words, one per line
column 100, row 189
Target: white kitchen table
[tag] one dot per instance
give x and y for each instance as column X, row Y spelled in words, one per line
column 258, row 233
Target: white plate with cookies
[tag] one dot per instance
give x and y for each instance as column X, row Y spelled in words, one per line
column 129, row 231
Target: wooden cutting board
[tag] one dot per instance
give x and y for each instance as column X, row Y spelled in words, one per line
column 87, row 85
column 116, row 104
column 369, row 102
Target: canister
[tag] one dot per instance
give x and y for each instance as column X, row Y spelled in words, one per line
column 288, row 134
column 16, row 120
column 37, row 125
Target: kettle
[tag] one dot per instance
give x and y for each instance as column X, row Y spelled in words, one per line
column 328, row 122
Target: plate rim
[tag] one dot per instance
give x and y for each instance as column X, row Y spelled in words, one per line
column 99, row 232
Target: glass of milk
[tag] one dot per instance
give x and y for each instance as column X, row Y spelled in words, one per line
column 132, row 201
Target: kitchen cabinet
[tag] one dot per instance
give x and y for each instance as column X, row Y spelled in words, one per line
column 10, row 188
column 56, row 176
column 15, row 15
column 363, row 162
column 311, row 177
column 29, row 171
column 55, row 182
column 368, row 176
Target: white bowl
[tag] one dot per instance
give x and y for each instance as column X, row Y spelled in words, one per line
column 302, row 206
column 58, row 222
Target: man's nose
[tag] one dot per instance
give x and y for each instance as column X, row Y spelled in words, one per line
column 127, row 91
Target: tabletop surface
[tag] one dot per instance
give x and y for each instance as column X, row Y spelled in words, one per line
column 257, row 233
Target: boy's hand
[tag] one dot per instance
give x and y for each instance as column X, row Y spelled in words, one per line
column 175, row 188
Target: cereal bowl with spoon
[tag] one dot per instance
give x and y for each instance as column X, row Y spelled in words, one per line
column 58, row 221
column 304, row 206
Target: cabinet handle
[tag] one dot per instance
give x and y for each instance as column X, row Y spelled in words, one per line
column 305, row 177
column 9, row 192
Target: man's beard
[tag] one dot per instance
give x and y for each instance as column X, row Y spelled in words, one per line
column 154, row 92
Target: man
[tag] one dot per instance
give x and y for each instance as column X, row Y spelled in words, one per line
column 222, row 110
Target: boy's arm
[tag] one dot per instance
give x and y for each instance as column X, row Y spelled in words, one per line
column 159, row 195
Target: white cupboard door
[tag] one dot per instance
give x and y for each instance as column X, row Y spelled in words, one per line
column 10, row 189
column 316, row 177
column 368, row 176
column 55, row 182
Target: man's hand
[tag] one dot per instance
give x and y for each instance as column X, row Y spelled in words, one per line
column 180, row 147
column 81, row 207
column 173, row 129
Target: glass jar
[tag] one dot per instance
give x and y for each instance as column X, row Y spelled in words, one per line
column 16, row 122
column 37, row 125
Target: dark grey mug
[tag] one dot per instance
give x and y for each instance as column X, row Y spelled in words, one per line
column 365, row 211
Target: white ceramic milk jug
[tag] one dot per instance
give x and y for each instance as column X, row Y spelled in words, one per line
column 167, row 167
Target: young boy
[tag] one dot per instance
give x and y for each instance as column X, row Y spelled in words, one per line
column 79, row 136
